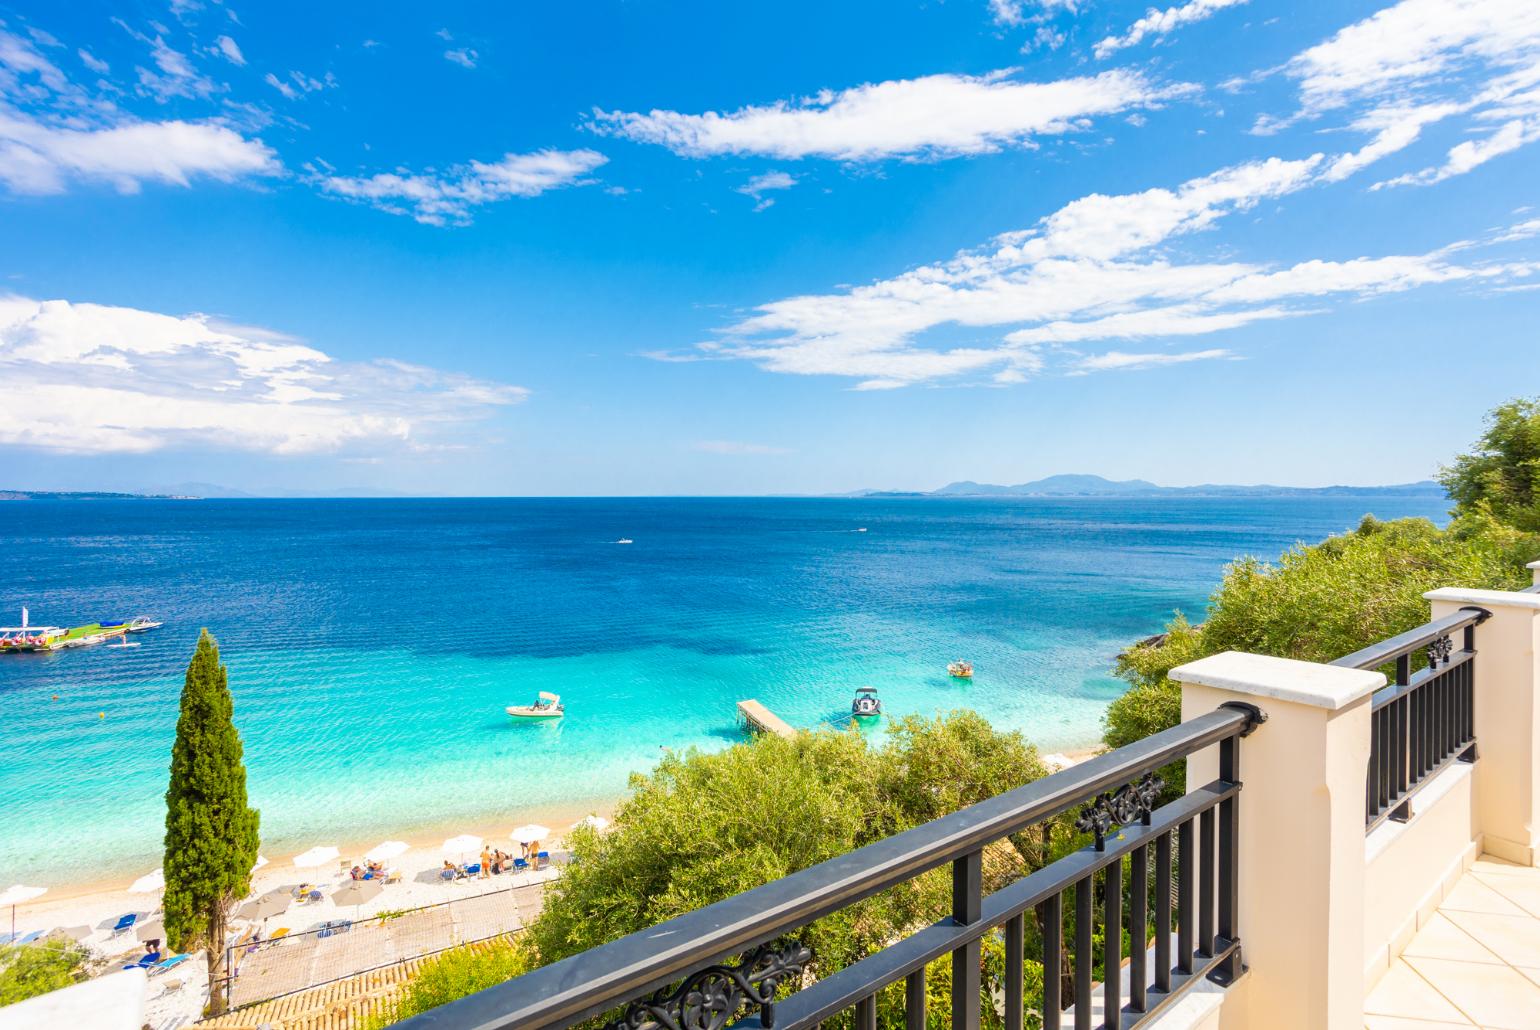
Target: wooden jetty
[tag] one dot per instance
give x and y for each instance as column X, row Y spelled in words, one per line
column 760, row 719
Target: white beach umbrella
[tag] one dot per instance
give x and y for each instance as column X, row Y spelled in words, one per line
column 16, row 895
column 318, row 855
column 598, row 822
column 152, row 930
column 387, row 850
column 272, row 903
column 149, row 883
column 530, row 833
column 464, row 844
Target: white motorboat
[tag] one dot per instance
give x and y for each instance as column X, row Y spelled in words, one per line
column 960, row 670
column 866, row 704
column 546, row 706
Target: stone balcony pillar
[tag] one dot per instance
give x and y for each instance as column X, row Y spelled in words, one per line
column 1301, row 814
column 1507, row 717
column 1534, row 568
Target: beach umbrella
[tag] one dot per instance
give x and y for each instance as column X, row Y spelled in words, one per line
column 318, row 855
column 356, row 892
column 149, row 883
column 151, row 930
column 71, row 933
column 598, row 822
column 16, row 895
column 272, row 903
column 387, row 850
column 530, row 833
column 465, row 844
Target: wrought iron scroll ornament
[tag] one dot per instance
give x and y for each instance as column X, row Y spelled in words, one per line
column 1439, row 652
column 709, row 998
column 1120, row 807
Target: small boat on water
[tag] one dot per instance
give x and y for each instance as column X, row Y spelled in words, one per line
column 960, row 670
column 546, row 706
column 625, row 540
column 28, row 638
column 866, row 704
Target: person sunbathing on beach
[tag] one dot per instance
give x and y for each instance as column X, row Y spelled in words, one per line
column 356, row 873
column 449, row 872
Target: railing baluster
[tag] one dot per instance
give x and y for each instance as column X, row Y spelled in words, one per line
column 1205, row 882
column 1186, row 871
column 1138, row 927
column 914, row 1000
column 1050, row 920
column 1163, row 912
column 1112, row 943
column 1015, row 960
column 967, row 908
column 866, row 1013
column 1229, row 858
column 1084, row 960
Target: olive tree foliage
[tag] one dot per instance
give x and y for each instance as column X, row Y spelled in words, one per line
column 703, row 827
column 1500, row 477
column 1319, row 602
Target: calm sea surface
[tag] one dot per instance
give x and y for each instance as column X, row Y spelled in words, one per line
column 372, row 645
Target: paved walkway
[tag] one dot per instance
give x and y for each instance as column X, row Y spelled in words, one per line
column 1476, row 962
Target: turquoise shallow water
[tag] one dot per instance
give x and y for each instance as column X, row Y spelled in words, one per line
column 372, row 645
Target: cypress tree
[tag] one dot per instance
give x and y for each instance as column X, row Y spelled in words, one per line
column 211, row 833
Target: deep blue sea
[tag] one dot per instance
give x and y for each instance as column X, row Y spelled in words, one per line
column 372, row 644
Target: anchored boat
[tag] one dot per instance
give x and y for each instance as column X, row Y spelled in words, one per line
column 866, row 705
column 546, row 706
column 960, row 670
column 27, row 638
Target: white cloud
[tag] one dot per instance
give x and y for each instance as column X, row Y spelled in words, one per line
column 1158, row 23
column 298, row 84
column 174, row 74
column 1096, row 269
column 81, row 138
column 88, row 378
column 766, row 183
column 1115, row 360
column 465, row 57
column 94, row 63
column 930, row 117
column 1463, row 157
column 447, row 198
column 231, row 52
column 39, row 159
column 1014, row 12
column 734, row 447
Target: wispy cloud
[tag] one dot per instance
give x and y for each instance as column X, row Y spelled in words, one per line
column 932, row 117
column 94, row 379
column 54, row 133
column 229, row 50
column 1096, row 269
column 1022, row 12
column 174, row 74
column 1119, row 360
column 766, row 183
column 298, row 84
column 465, row 57
column 447, row 198
column 1158, row 23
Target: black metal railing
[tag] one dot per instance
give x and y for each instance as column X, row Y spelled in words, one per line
column 1425, row 719
column 729, row 961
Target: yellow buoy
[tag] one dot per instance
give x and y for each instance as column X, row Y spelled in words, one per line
column 101, row 715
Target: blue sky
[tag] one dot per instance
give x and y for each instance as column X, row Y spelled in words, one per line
column 637, row 247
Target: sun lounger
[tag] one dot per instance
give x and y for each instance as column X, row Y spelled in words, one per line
column 125, row 923
column 520, row 865
column 29, row 938
column 472, row 870
column 170, row 963
column 545, row 856
column 282, row 931
column 145, row 961
column 393, row 876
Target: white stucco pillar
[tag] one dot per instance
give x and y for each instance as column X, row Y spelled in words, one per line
column 1507, row 717
column 1534, row 569
column 1301, row 879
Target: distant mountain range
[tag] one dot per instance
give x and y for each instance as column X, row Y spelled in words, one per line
column 1097, row 486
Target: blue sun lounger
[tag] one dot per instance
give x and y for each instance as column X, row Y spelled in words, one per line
column 145, row 961
column 125, row 923
column 170, row 963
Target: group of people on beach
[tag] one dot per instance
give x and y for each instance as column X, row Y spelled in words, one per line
column 494, row 862
column 368, row 871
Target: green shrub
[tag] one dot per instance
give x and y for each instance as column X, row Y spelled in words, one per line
column 1501, row 475
column 27, row 970
column 455, row 974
